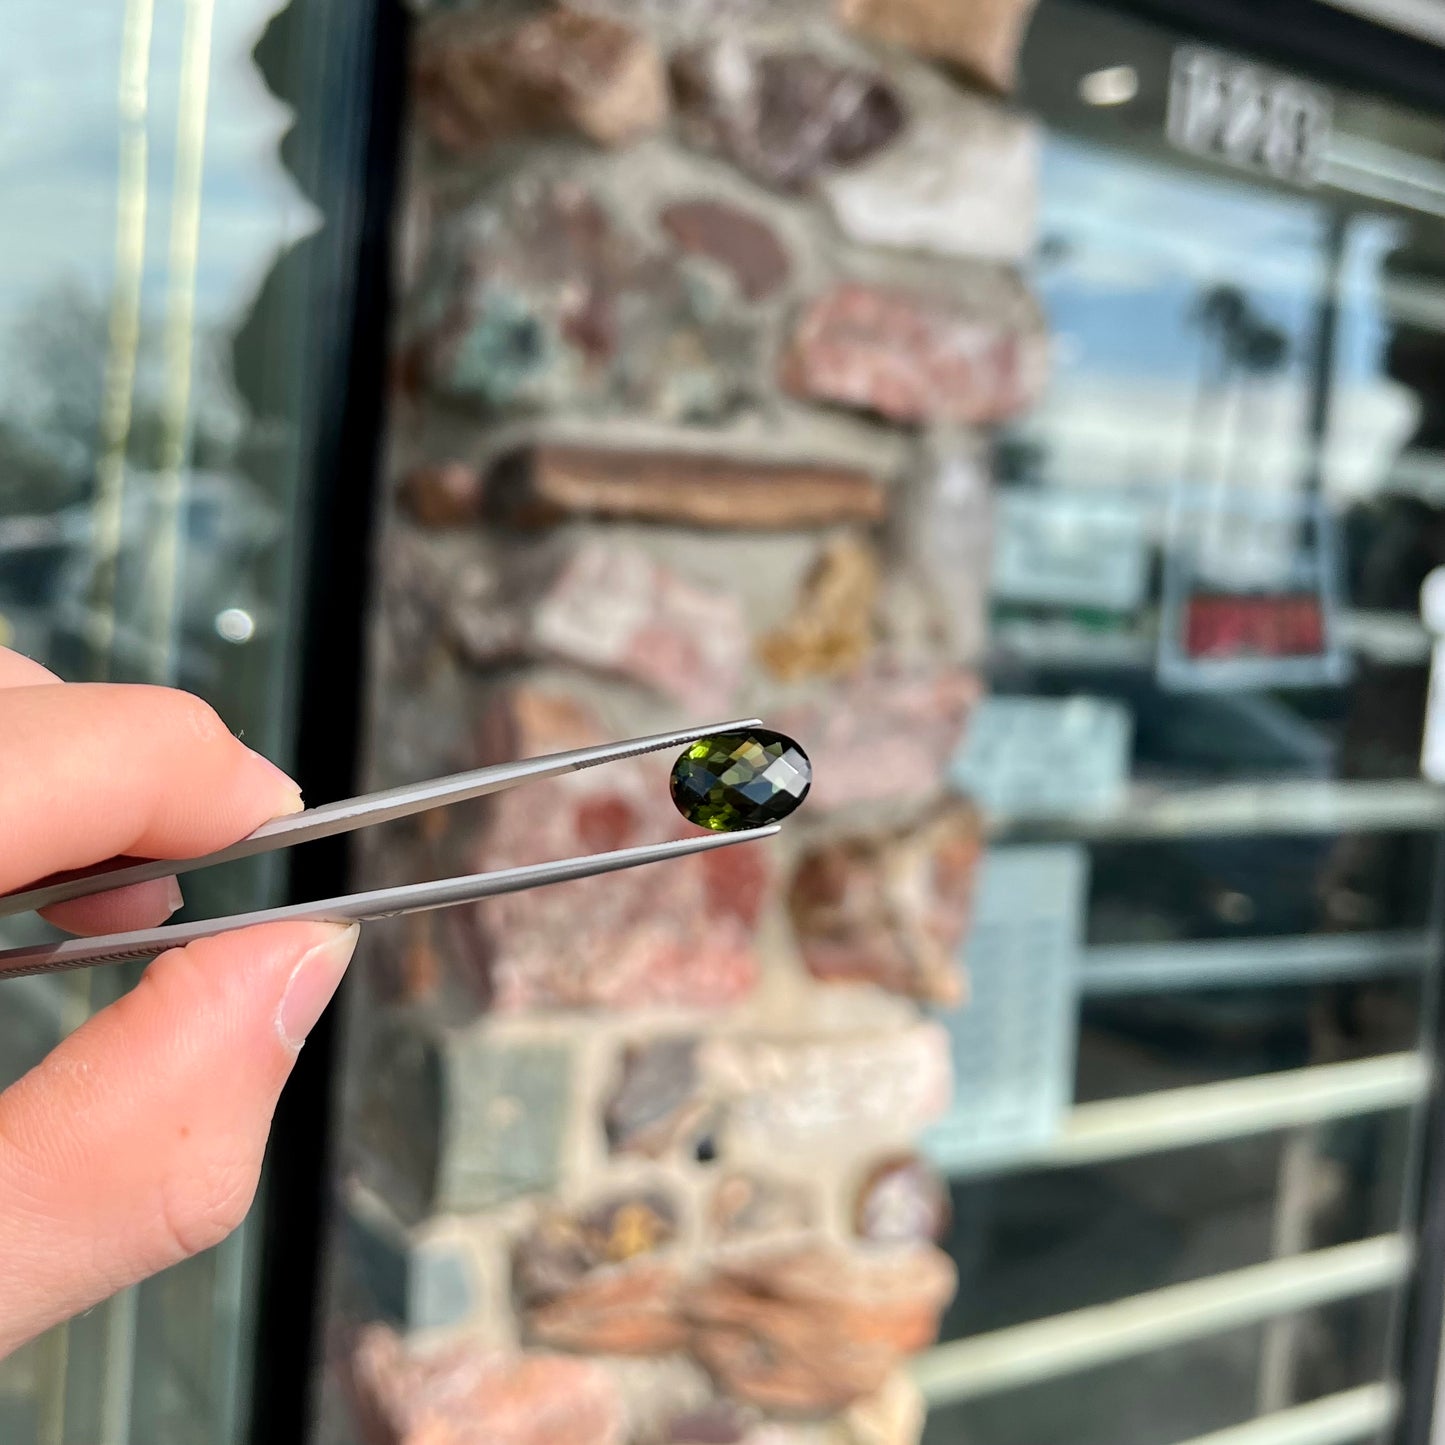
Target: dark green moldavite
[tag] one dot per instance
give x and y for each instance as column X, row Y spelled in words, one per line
column 740, row 780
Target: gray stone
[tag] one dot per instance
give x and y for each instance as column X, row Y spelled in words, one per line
column 784, row 117
column 791, row 1097
column 536, row 299
column 656, row 1100
column 901, row 1200
column 973, row 354
column 516, row 308
column 962, row 180
column 397, row 1138
column 505, row 1122
column 452, row 1122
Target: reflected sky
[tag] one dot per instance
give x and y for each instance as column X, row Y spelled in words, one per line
column 1140, row 394
column 161, row 511
column 59, row 140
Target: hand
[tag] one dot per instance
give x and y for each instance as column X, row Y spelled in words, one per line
column 138, row 1141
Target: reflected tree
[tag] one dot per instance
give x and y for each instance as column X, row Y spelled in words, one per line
column 50, row 443
column 1241, row 346
column 1260, row 352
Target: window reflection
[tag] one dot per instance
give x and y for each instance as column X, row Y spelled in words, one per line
column 154, row 391
column 1214, row 528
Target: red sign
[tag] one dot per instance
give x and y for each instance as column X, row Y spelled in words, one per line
column 1234, row 626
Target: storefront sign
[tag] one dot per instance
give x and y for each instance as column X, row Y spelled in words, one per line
column 1225, row 626
column 1233, row 111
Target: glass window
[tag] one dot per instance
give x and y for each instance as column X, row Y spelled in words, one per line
column 1211, row 536
column 161, row 318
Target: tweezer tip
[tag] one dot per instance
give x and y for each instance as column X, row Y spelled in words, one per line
column 737, row 835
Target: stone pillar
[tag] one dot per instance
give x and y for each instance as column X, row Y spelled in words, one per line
column 707, row 310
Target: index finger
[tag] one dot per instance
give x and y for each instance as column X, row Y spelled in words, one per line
column 93, row 770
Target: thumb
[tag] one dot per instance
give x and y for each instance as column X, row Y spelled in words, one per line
column 139, row 1140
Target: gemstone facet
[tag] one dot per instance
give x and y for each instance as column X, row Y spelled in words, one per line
column 740, row 780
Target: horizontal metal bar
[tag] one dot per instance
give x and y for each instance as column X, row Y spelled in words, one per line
column 1357, row 1414
column 1297, row 805
column 1234, row 1109
column 1227, row 963
column 1394, row 639
column 1082, row 1339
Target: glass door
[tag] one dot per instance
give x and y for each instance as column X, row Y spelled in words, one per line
column 1188, row 1211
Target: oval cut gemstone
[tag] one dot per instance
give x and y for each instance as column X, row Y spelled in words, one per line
column 740, row 780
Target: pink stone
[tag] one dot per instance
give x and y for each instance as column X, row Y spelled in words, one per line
column 912, row 357
column 812, row 1330
column 746, row 1203
column 890, row 907
column 882, row 736
column 615, row 609
column 468, row 1395
column 672, row 933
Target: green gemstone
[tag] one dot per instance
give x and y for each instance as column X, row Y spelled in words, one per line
column 740, row 780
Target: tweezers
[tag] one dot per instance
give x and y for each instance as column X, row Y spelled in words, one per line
column 345, row 816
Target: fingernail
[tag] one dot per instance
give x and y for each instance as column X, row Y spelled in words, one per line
column 174, row 897
column 289, row 791
column 312, row 984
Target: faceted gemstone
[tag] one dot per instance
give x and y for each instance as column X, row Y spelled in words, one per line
column 740, row 780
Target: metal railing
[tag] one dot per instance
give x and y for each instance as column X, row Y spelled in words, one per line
column 1233, row 1109
column 1081, row 1339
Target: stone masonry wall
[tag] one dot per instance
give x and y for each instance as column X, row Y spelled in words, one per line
column 707, row 310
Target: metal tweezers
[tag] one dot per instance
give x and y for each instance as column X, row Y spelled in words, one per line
column 344, row 817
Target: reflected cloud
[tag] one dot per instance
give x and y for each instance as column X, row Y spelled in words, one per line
column 58, row 155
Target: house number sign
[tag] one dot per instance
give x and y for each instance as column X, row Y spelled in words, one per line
column 1240, row 113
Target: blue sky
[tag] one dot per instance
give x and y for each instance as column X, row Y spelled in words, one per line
column 1144, row 240
column 58, row 155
